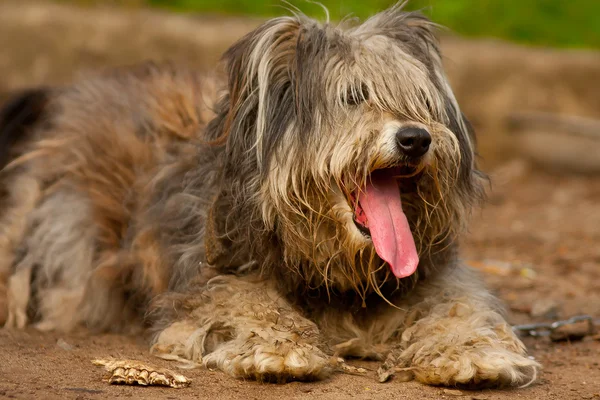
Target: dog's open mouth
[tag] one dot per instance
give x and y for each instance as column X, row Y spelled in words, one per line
column 378, row 213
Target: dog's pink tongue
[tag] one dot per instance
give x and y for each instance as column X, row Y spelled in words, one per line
column 388, row 225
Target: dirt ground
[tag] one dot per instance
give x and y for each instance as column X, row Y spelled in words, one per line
column 536, row 241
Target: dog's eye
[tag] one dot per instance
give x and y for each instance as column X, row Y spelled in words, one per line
column 430, row 108
column 355, row 96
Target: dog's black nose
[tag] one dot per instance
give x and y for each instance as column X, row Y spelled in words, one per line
column 414, row 142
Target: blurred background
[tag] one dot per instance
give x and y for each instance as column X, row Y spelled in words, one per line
column 570, row 23
column 526, row 73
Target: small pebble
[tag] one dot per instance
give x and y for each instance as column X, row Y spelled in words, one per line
column 64, row 345
column 544, row 308
column 453, row 392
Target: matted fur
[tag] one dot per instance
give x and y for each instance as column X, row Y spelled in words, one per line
column 224, row 221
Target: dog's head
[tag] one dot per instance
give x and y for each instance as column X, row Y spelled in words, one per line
column 348, row 146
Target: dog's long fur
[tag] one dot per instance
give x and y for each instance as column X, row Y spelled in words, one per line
column 223, row 220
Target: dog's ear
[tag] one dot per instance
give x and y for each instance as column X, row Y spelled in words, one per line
column 17, row 117
column 472, row 179
column 264, row 77
column 259, row 107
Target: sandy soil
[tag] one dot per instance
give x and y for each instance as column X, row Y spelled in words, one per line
column 535, row 241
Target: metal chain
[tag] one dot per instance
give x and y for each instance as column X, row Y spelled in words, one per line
column 575, row 328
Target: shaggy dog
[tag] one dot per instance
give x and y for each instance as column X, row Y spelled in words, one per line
column 310, row 213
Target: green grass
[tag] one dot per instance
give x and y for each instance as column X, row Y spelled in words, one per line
column 558, row 23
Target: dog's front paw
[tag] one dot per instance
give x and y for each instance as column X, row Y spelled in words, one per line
column 270, row 358
column 475, row 367
column 253, row 349
column 466, row 348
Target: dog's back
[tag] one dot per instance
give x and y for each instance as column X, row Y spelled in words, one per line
column 81, row 167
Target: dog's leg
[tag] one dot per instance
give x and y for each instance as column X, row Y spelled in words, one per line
column 244, row 328
column 15, row 289
column 459, row 337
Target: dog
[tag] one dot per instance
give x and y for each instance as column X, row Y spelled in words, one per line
column 306, row 210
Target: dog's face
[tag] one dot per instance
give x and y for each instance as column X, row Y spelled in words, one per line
column 355, row 149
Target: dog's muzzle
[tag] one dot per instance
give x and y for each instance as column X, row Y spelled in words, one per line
column 413, row 142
